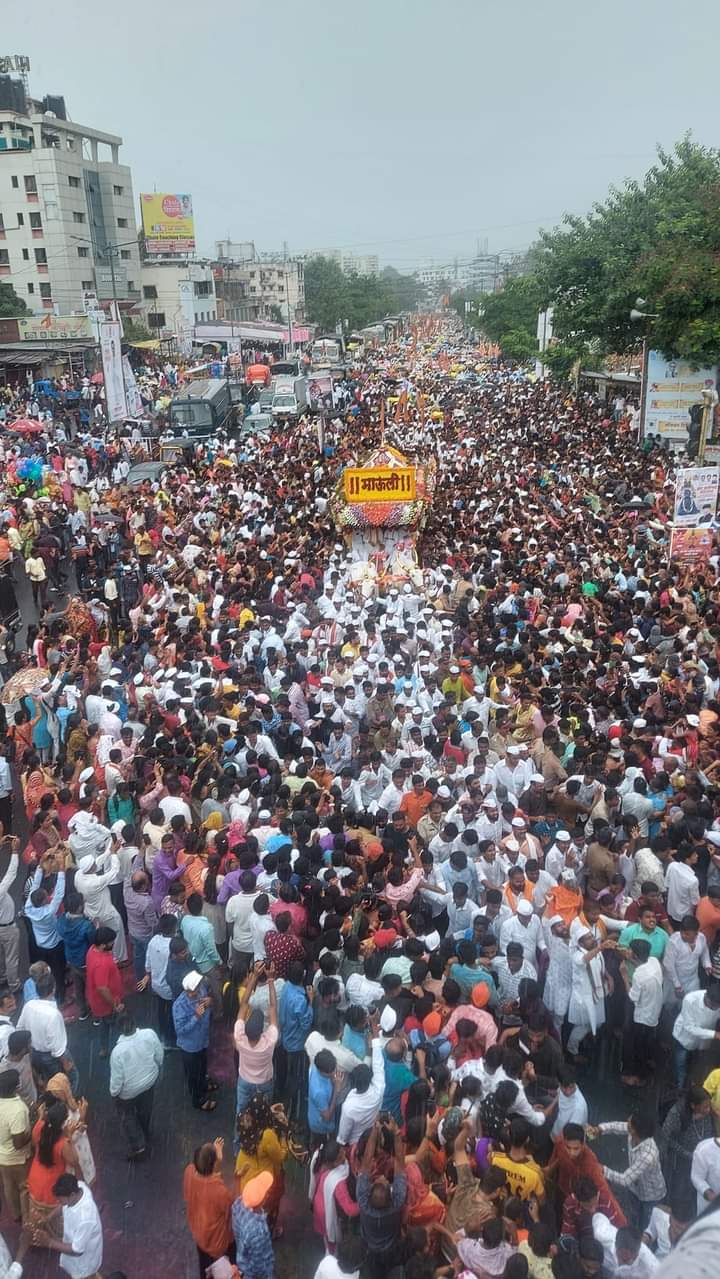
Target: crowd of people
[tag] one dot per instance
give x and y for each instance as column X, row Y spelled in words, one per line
column 444, row 856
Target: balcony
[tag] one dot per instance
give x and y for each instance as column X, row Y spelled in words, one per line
column 32, row 197
column 4, row 270
column 42, row 268
column 37, row 233
column 47, row 304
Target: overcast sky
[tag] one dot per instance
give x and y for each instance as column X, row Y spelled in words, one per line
column 408, row 128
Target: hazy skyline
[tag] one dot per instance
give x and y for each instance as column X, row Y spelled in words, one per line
column 410, row 130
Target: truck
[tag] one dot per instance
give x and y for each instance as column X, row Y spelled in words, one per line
column 290, row 399
column 327, row 352
column 202, row 408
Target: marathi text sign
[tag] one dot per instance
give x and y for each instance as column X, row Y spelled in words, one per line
column 673, row 387
column 379, row 484
column 57, row 328
column 696, row 494
column 691, row 545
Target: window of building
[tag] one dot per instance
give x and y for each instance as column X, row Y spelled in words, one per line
column 45, row 290
column 83, row 252
column 4, row 257
column 156, row 319
column 36, row 221
column 2, row 224
column 118, row 190
column 131, row 285
column 41, row 257
column 122, row 222
column 30, row 184
column 26, row 255
column 21, row 220
column 149, row 292
column 126, row 254
column 73, row 182
column 202, row 289
column 15, row 181
column 87, row 285
column 78, row 217
column 31, row 288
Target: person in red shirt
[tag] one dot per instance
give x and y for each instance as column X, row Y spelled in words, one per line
column 103, row 985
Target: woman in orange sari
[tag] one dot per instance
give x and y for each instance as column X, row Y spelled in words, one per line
column 36, row 782
column 424, row 1163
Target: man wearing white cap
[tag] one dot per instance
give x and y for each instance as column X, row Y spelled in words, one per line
column 93, row 878
column 525, row 928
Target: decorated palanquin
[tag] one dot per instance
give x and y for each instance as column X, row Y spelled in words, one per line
column 379, row 508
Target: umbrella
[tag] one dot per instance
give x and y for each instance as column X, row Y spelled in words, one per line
column 28, row 680
column 26, row 426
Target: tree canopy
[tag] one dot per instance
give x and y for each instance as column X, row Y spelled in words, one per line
column 10, row 304
column 331, row 295
column 658, row 239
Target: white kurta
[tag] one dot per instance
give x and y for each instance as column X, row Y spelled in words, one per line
column 587, row 998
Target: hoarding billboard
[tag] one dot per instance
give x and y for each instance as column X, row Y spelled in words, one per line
column 167, row 223
column 673, row 387
column 36, row 328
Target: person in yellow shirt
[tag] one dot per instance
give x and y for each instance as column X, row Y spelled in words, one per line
column 522, row 1173
column 712, row 1088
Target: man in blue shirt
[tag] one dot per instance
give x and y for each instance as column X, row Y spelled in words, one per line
column 42, row 910
column 295, row 1019
column 252, row 1234
column 322, row 1096
column 191, row 1018
column 200, row 937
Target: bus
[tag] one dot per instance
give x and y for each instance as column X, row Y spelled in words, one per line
column 202, row 408
column 326, row 352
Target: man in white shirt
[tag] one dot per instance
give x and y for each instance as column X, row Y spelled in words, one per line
column 81, row 1247
column 696, row 1026
column 705, row 1172
column 525, row 928
column 626, row 1256
column 681, row 883
column 361, row 1106
column 238, row 914
column 135, row 1065
column 645, row 992
column 46, row 1024
column 685, row 952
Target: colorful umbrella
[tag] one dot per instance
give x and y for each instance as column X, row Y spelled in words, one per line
column 28, row 680
column 26, row 426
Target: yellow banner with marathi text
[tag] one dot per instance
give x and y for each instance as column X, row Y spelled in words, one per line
column 379, row 484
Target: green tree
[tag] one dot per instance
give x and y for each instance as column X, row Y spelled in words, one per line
column 514, row 309
column 518, row 344
column 659, row 239
column 10, row 304
column 325, row 293
column 135, row 331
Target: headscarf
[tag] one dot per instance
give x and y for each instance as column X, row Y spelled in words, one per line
column 253, row 1122
column 59, row 1086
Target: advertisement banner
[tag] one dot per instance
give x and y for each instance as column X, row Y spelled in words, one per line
column 691, row 545
column 132, row 395
column 320, row 393
column 696, row 494
column 111, row 352
column 38, row 328
column 167, row 223
column 673, row 387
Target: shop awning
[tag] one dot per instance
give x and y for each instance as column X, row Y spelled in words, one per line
column 23, row 358
column 149, row 344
